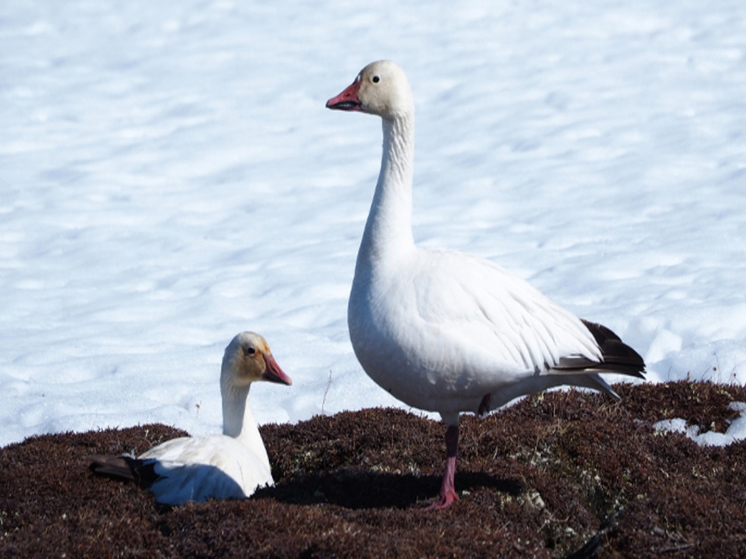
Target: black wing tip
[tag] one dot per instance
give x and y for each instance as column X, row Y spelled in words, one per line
column 618, row 357
column 600, row 332
column 124, row 468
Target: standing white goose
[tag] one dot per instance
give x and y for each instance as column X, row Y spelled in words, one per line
column 445, row 331
column 228, row 466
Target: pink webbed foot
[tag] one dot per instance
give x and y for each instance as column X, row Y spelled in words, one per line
column 444, row 500
column 448, row 494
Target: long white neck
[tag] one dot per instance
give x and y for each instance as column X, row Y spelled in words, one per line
column 238, row 421
column 388, row 231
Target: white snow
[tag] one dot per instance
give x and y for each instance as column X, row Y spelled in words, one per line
column 169, row 176
column 736, row 430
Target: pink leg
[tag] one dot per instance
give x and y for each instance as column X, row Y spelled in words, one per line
column 447, row 491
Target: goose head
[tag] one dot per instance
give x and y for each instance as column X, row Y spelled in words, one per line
column 248, row 359
column 381, row 88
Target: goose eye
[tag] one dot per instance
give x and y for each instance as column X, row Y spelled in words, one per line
column 249, row 350
column 376, row 79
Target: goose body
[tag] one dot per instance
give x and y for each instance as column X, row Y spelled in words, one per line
column 446, row 331
column 231, row 465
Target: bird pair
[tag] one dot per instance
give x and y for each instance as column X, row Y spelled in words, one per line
column 440, row 330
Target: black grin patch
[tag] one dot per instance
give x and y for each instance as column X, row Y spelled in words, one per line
column 346, row 105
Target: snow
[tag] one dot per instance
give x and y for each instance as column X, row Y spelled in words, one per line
column 170, row 177
column 736, row 430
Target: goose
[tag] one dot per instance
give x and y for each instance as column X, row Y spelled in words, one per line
column 445, row 331
column 228, row 466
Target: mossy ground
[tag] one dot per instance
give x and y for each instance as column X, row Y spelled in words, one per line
column 559, row 473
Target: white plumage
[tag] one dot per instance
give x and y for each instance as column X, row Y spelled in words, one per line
column 231, row 465
column 446, row 331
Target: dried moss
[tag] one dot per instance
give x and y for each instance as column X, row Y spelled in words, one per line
column 556, row 473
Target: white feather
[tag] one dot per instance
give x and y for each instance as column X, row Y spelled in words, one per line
column 231, row 465
column 441, row 330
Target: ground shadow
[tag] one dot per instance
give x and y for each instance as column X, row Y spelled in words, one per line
column 358, row 489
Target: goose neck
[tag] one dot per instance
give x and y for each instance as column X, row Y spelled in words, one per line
column 238, row 421
column 398, row 152
column 389, row 223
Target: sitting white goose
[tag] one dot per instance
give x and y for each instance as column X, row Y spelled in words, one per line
column 445, row 331
column 228, row 466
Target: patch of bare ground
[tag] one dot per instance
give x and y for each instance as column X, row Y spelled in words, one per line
column 565, row 473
